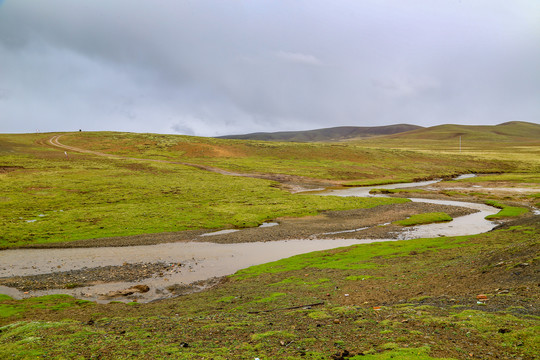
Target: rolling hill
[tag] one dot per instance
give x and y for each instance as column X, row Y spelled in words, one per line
column 340, row 133
column 509, row 131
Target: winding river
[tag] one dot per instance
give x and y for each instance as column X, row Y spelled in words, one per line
column 465, row 225
column 204, row 260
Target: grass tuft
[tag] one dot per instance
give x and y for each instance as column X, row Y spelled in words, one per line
column 506, row 211
column 426, row 218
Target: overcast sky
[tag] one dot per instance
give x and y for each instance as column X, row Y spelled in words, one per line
column 217, row 67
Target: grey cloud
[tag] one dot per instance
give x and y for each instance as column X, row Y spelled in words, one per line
column 299, row 58
column 213, row 67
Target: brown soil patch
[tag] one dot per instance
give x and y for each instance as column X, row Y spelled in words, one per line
column 6, row 169
column 208, row 150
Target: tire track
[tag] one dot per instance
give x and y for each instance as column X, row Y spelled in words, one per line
column 54, row 141
column 292, row 183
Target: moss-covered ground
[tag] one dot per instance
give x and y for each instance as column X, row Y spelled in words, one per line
column 506, row 211
column 426, row 218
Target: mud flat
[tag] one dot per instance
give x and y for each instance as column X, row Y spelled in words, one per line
column 178, row 263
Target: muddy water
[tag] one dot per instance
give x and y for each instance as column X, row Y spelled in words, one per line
column 364, row 190
column 465, row 225
column 200, row 261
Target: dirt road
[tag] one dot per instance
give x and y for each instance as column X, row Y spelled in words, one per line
column 289, row 182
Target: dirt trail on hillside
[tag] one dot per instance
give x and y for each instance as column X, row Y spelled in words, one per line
column 292, row 183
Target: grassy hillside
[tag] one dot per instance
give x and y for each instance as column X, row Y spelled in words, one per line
column 508, row 132
column 512, row 141
column 328, row 134
column 472, row 136
column 330, row 161
column 48, row 197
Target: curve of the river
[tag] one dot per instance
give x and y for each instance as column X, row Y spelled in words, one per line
column 474, row 223
column 201, row 261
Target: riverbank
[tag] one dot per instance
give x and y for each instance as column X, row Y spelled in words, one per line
column 473, row 297
column 95, row 271
column 457, row 297
column 289, row 228
column 100, row 271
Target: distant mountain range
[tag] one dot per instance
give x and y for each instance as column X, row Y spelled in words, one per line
column 340, row 133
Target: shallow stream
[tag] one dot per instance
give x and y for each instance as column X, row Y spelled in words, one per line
column 205, row 260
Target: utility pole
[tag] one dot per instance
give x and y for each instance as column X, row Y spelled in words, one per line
column 460, row 144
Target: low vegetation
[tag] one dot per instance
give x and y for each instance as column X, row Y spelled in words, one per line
column 471, row 297
column 506, row 211
column 427, row 218
column 397, row 191
column 352, row 163
column 48, row 197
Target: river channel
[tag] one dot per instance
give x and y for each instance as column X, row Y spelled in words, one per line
column 188, row 262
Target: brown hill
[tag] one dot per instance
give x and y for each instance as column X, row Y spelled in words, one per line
column 327, row 134
column 509, row 131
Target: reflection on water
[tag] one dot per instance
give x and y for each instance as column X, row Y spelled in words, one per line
column 220, row 232
column 364, row 190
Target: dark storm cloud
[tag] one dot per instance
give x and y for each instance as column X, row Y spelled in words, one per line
column 221, row 67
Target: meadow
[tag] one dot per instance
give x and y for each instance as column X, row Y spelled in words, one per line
column 362, row 163
column 48, row 196
column 513, row 141
column 471, row 297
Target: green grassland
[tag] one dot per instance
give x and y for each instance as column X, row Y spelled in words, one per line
column 354, row 162
column 414, row 299
column 476, row 136
column 366, row 302
column 513, row 141
column 427, row 218
column 506, row 211
column 46, row 197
